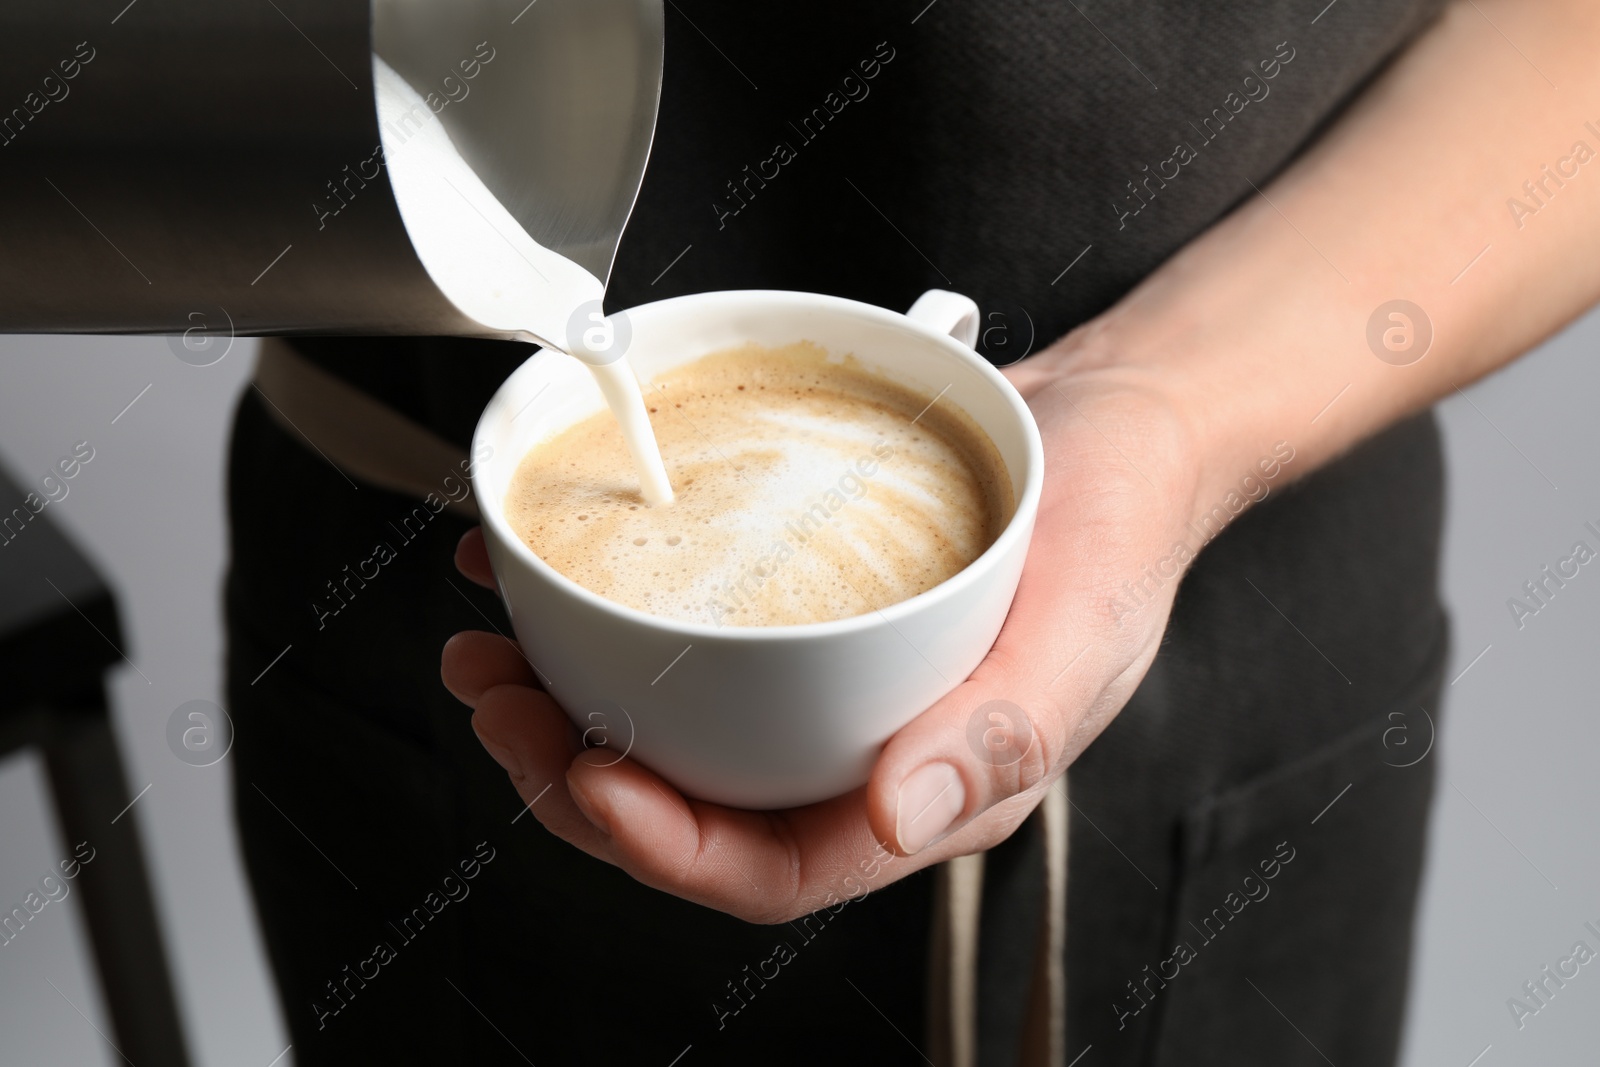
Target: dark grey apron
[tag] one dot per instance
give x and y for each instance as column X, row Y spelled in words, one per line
column 1028, row 155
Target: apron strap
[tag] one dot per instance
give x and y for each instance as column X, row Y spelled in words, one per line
column 953, row 950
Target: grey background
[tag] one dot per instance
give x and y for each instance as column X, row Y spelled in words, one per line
column 1513, row 872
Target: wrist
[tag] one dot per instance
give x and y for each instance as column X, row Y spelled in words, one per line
column 1210, row 446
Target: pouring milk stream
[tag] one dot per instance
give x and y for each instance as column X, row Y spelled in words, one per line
column 482, row 258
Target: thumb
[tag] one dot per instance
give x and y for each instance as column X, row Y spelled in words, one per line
column 1059, row 672
column 996, row 736
column 1070, row 654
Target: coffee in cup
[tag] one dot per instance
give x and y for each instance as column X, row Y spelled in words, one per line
column 759, row 716
column 808, row 489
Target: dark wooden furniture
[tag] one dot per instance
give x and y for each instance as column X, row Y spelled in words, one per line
column 58, row 634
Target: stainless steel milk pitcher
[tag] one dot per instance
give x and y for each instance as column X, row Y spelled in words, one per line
column 174, row 162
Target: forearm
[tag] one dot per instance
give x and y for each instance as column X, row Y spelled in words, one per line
column 1257, row 332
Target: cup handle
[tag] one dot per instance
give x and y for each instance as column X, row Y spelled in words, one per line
column 949, row 313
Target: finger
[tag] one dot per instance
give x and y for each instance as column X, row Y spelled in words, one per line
column 472, row 558
column 474, row 662
column 759, row 866
column 1006, row 732
column 1021, row 375
column 1077, row 640
column 534, row 741
column 1029, row 374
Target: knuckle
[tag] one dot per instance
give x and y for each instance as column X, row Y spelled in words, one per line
column 755, row 914
column 1038, row 762
column 791, row 874
column 1016, row 747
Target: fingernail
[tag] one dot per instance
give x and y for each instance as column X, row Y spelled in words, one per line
column 500, row 751
column 931, row 800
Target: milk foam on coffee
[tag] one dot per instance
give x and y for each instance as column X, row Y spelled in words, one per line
column 808, row 489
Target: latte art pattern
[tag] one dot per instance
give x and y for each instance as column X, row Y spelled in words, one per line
column 808, row 489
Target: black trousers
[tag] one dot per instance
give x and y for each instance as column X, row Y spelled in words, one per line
column 1246, row 837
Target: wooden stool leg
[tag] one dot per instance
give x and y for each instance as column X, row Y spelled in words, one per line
column 90, row 789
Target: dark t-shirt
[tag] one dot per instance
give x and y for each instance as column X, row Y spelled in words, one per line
column 1042, row 158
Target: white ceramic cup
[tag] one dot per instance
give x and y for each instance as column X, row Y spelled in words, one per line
column 758, row 717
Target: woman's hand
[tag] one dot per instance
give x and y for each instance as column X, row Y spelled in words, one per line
column 1080, row 635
